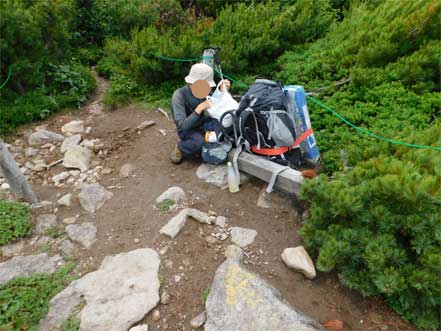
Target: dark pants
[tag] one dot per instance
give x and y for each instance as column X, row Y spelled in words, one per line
column 191, row 142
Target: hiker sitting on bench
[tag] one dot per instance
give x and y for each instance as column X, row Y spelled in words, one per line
column 188, row 112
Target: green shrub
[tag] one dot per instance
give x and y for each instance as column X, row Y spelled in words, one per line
column 67, row 86
column 245, row 46
column 25, row 300
column 14, row 221
column 31, row 32
column 120, row 17
column 121, row 91
column 72, row 81
column 379, row 225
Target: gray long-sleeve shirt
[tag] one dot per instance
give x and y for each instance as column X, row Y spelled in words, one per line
column 183, row 106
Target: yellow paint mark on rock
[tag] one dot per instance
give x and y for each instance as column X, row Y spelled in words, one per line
column 237, row 287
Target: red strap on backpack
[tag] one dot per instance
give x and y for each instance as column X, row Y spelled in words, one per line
column 281, row 150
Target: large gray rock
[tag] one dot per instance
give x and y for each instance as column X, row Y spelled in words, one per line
column 70, row 141
column 242, row 237
column 85, row 233
column 43, row 137
column 239, row 300
column 26, row 265
column 93, row 196
column 118, row 295
column 175, row 225
column 73, row 127
column 45, row 222
column 297, row 258
column 77, row 157
column 174, row 193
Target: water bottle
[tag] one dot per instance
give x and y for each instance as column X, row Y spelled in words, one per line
column 233, row 180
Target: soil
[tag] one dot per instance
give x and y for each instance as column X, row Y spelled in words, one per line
column 130, row 220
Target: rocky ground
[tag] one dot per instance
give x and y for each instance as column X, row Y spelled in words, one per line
column 150, row 238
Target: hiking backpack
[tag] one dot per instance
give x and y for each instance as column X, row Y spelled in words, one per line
column 264, row 125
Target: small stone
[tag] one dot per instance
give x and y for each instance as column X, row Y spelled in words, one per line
column 67, row 247
column 73, row 127
column 4, row 187
column 93, row 196
column 174, row 193
column 88, row 130
column 47, row 146
column 145, row 125
column 69, row 220
column 199, row 320
column 165, row 298
column 200, row 216
column 143, row 327
column 69, row 142
column 156, row 315
column 85, row 234
column 211, row 240
column 45, row 222
column 126, row 170
column 220, row 221
column 65, row 200
column 163, row 250
column 233, row 252
column 42, row 137
column 43, row 241
column 163, row 132
column 60, row 177
column 298, row 259
column 177, row 278
column 242, row 237
column 31, row 152
column 136, row 240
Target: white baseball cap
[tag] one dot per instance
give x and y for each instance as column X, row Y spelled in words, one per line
column 200, row 71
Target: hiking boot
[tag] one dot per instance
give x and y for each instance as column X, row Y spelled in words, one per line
column 176, row 155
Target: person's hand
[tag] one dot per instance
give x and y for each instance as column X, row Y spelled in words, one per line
column 225, row 85
column 202, row 106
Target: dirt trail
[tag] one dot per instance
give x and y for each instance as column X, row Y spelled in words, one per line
column 129, row 220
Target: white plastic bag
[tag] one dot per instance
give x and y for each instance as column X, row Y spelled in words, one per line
column 220, row 103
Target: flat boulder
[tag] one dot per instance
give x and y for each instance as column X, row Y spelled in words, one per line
column 93, row 196
column 70, row 141
column 42, row 137
column 85, row 233
column 242, row 237
column 239, row 300
column 45, row 222
column 116, row 296
column 20, row 266
column 77, row 157
column 73, row 127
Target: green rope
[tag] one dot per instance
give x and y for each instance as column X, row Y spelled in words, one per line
column 174, row 59
column 7, row 78
column 230, row 78
column 393, row 141
column 340, row 117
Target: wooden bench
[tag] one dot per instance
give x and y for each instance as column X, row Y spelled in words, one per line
column 288, row 180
